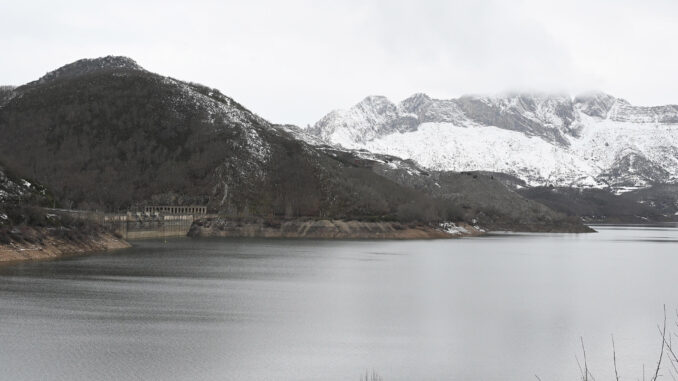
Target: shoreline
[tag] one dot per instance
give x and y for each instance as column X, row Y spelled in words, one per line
column 326, row 229
column 52, row 247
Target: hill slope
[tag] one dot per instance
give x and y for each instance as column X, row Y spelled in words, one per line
column 15, row 190
column 29, row 231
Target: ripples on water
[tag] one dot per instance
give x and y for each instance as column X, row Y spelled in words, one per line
column 503, row 307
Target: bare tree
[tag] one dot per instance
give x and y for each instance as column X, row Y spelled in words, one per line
column 614, row 359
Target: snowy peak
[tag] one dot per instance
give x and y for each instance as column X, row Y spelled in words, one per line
column 376, row 103
column 374, row 116
column 552, row 111
column 594, row 139
column 595, row 104
column 604, row 106
column 89, row 65
column 547, row 116
column 550, row 117
column 427, row 109
column 555, row 118
column 416, row 103
column 623, row 111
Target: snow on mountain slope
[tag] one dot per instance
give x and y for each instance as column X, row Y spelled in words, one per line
column 14, row 189
column 371, row 118
column 445, row 146
column 595, row 140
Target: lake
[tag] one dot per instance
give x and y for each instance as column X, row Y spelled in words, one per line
column 501, row 307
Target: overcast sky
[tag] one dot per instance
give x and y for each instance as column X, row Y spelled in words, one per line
column 293, row 61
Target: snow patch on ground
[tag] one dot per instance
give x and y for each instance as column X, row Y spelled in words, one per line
column 445, row 146
column 452, row 228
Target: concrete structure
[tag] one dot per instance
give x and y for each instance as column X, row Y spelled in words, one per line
column 169, row 209
column 141, row 225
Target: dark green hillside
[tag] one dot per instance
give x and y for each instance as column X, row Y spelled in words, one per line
column 23, row 218
column 112, row 138
column 593, row 204
column 5, row 94
column 661, row 197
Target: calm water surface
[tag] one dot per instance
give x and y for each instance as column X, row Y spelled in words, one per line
column 504, row 307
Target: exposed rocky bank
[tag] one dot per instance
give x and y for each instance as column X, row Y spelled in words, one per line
column 39, row 243
column 326, row 229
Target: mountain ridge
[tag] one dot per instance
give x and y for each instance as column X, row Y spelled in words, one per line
column 589, row 140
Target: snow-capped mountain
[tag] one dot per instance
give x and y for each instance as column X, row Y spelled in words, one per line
column 593, row 140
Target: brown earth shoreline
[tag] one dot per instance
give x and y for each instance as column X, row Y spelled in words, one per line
column 53, row 247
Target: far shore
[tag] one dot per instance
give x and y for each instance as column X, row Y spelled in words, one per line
column 50, row 247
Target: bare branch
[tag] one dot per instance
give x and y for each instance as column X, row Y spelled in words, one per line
column 581, row 372
column 669, row 349
column 586, row 366
column 673, row 376
column 614, row 359
column 661, row 354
